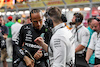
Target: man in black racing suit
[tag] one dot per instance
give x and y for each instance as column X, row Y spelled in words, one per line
column 25, row 41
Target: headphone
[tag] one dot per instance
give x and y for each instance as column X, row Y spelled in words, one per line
column 78, row 19
column 49, row 22
column 63, row 17
column 97, row 19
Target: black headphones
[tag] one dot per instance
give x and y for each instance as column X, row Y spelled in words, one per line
column 78, row 19
column 49, row 22
column 63, row 17
column 97, row 19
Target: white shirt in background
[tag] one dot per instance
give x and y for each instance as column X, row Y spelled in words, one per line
column 95, row 44
column 15, row 28
column 83, row 37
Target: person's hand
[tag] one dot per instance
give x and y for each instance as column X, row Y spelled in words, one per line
column 87, row 60
column 5, row 36
column 39, row 41
column 97, row 65
column 29, row 62
column 38, row 54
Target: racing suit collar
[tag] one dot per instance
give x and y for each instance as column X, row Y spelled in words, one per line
column 37, row 30
column 57, row 27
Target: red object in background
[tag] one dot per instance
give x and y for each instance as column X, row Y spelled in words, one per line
column 87, row 15
column 85, row 24
column 95, row 12
column 10, row 17
column 7, row 0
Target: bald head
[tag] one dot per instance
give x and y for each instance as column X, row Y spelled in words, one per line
column 98, row 18
column 95, row 25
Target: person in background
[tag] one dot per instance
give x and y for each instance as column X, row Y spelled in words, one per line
column 81, row 35
column 19, row 21
column 28, row 20
column 98, row 18
column 94, row 43
column 15, row 28
column 4, row 32
column 90, row 27
column 9, row 38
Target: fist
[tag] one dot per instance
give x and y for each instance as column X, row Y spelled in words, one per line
column 38, row 54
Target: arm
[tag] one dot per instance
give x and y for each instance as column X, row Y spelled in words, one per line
column 88, row 54
column 5, row 36
column 79, row 48
column 45, row 47
column 84, row 41
column 2, row 42
column 40, row 41
column 18, row 48
column 18, row 44
column 90, row 49
column 6, row 32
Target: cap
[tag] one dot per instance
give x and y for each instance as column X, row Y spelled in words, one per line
column 10, row 18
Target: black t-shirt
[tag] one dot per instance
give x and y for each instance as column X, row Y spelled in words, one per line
column 4, row 30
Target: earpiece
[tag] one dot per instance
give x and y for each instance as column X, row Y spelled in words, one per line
column 97, row 19
column 63, row 17
column 49, row 23
column 77, row 18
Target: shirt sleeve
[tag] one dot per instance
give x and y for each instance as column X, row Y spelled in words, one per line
column 92, row 44
column 85, row 38
column 59, row 52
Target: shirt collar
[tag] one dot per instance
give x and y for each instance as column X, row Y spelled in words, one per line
column 16, row 22
column 57, row 27
column 90, row 29
column 80, row 25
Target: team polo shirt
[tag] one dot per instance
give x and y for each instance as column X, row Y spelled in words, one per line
column 81, row 37
column 62, row 48
column 95, row 44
